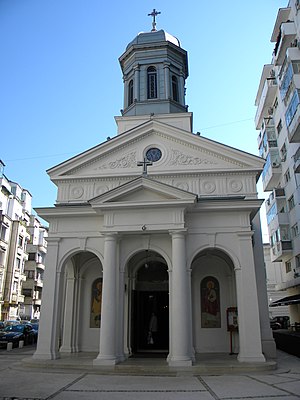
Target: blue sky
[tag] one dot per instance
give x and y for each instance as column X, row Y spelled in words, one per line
column 61, row 83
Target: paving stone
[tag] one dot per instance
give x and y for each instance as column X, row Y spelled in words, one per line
column 137, row 396
column 240, row 387
column 32, row 384
column 108, row 382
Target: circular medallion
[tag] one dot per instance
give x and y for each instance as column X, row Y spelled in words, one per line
column 77, row 192
column 209, row 187
column 153, row 154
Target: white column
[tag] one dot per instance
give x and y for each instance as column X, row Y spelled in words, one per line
column 121, row 319
column 181, row 89
column 181, row 327
column 247, row 300
column 48, row 340
column 167, row 80
column 108, row 343
column 137, row 83
column 69, row 318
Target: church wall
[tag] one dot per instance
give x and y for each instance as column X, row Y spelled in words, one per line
column 88, row 337
column 212, row 339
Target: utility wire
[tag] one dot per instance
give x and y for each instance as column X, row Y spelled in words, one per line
column 64, row 154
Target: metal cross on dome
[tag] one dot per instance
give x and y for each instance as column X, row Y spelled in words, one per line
column 146, row 163
column 154, row 14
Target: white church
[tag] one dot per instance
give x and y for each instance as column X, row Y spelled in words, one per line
column 155, row 242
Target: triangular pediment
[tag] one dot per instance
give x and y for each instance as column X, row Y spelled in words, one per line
column 182, row 152
column 143, row 191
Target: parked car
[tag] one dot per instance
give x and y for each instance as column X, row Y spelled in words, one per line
column 16, row 332
column 11, row 322
column 282, row 322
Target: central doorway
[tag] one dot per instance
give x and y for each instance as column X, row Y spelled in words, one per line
column 150, row 311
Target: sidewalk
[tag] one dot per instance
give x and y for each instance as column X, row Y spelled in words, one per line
column 20, row 382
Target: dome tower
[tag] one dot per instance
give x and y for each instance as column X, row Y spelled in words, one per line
column 154, row 68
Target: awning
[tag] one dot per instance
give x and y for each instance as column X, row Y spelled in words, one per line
column 286, row 301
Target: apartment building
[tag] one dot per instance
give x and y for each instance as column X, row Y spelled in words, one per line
column 278, row 119
column 34, row 269
column 22, row 238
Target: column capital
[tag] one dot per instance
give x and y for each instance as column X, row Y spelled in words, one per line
column 245, row 235
column 53, row 241
column 178, row 232
column 110, row 235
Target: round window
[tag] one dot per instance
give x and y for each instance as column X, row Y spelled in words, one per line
column 153, row 154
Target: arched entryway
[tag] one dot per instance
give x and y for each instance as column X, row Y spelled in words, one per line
column 213, row 295
column 81, row 303
column 148, row 290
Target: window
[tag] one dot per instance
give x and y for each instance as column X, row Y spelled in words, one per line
column 30, row 274
column 27, row 292
column 271, row 214
column 3, row 231
column 175, row 88
column 288, row 266
column 291, row 202
column 295, row 230
column 31, row 256
column 283, row 152
column 18, row 263
column 152, row 82
column 20, row 241
column 130, row 92
column 297, row 261
column 287, row 176
column 292, row 108
column 279, row 127
column 286, row 81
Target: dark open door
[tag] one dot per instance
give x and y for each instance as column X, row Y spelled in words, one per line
column 147, row 305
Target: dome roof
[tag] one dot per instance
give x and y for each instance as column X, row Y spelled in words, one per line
column 152, row 37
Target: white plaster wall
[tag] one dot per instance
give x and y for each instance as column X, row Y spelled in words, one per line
column 89, row 338
column 212, row 340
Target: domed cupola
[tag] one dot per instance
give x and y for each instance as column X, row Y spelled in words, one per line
column 154, row 68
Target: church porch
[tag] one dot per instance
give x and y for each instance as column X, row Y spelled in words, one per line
column 204, row 364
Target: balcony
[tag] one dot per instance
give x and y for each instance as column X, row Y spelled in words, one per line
column 266, row 95
column 281, row 249
column 40, row 266
column 272, row 171
column 21, row 298
column 286, row 37
column 39, row 283
column 280, row 219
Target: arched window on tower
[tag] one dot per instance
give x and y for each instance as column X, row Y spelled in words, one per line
column 130, row 92
column 152, row 82
column 175, row 96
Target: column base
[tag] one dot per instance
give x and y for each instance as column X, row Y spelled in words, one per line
column 102, row 360
column 251, row 359
column 46, row 356
column 180, row 362
column 269, row 348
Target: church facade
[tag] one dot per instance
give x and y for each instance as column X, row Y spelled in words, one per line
column 154, row 242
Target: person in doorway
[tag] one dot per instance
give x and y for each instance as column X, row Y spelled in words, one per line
column 152, row 335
